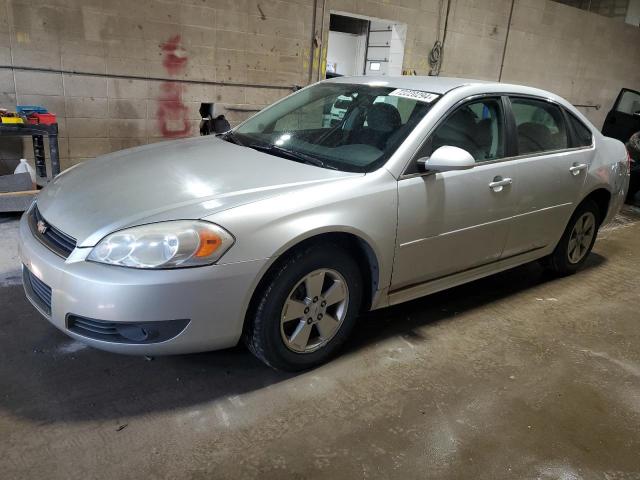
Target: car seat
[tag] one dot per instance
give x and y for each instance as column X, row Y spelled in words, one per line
column 382, row 120
column 484, row 139
column 459, row 130
column 534, row 137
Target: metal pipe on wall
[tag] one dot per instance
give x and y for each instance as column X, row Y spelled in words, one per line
column 506, row 40
column 140, row 77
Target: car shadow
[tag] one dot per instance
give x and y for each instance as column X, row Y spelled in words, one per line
column 47, row 377
column 405, row 318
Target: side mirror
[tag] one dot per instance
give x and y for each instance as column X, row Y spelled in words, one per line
column 447, row 158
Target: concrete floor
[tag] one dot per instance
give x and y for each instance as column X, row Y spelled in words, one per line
column 515, row 376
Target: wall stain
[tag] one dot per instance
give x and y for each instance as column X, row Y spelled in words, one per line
column 173, row 115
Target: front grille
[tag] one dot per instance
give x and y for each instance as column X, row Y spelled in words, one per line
column 52, row 238
column 129, row 332
column 38, row 291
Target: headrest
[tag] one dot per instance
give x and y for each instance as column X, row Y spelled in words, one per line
column 383, row 117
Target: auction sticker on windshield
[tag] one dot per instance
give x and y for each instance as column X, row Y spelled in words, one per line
column 417, row 95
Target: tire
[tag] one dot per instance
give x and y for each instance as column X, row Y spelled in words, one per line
column 577, row 240
column 294, row 283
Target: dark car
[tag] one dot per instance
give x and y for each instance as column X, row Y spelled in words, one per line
column 623, row 123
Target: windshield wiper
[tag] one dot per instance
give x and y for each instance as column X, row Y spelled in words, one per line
column 291, row 155
column 230, row 136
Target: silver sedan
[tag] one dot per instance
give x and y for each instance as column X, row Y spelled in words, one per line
column 283, row 230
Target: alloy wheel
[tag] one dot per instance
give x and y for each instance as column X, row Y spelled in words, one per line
column 581, row 237
column 314, row 311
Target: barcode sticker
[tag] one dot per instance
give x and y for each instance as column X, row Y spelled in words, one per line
column 417, row 95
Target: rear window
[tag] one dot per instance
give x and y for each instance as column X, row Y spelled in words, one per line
column 540, row 126
column 582, row 135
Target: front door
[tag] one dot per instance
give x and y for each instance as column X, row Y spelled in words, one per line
column 453, row 221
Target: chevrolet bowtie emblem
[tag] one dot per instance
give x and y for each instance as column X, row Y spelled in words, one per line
column 42, row 227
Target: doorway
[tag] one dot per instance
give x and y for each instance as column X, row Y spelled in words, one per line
column 360, row 45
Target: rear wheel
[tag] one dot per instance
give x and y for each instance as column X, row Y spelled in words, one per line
column 307, row 309
column 577, row 241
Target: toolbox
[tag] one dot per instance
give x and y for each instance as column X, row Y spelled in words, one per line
column 29, row 109
column 42, row 118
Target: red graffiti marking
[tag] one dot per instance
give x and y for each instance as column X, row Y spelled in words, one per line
column 175, row 57
column 173, row 115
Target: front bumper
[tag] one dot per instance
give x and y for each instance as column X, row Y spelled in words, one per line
column 213, row 298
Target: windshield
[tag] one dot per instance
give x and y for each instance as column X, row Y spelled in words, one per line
column 347, row 127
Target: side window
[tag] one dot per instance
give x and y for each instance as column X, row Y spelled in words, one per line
column 476, row 127
column 629, row 102
column 540, row 126
column 583, row 136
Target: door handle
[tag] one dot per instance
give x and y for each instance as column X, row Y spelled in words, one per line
column 576, row 168
column 499, row 183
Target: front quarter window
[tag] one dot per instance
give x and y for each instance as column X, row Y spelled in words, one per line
column 348, row 127
column 476, row 127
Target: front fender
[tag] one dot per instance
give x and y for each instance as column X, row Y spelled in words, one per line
column 364, row 206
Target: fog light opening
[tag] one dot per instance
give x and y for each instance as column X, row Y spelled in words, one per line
column 133, row 332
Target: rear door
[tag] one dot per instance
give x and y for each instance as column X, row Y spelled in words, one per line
column 624, row 118
column 554, row 151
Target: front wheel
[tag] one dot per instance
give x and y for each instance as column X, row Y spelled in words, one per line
column 577, row 241
column 308, row 308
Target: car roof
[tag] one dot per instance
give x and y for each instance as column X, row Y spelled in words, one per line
column 443, row 85
column 439, row 85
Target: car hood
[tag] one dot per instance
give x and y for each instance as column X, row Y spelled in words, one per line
column 182, row 179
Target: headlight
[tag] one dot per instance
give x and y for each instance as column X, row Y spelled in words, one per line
column 175, row 244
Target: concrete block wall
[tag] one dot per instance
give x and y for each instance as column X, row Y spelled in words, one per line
column 233, row 41
column 582, row 56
